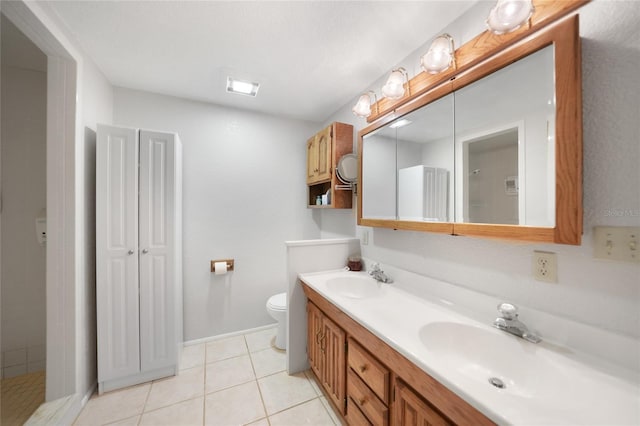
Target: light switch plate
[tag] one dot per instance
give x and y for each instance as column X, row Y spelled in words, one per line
column 617, row 243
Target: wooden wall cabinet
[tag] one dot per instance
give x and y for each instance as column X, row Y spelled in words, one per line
column 381, row 389
column 324, row 150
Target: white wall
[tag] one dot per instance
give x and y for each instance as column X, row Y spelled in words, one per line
column 244, row 196
column 596, row 292
column 71, row 329
column 97, row 107
column 24, row 103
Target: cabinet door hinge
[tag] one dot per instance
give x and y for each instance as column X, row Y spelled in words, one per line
column 345, row 403
column 346, row 347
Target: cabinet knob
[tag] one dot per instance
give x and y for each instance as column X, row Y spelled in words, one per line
column 130, row 252
column 145, row 251
column 362, row 401
column 362, row 368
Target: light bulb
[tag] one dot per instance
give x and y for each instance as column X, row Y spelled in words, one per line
column 440, row 55
column 394, row 88
column 509, row 15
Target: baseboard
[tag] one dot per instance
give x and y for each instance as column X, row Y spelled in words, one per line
column 227, row 335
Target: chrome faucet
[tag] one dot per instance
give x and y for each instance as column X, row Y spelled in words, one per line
column 378, row 274
column 509, row 322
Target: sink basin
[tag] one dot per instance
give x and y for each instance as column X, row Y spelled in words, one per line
column 520, row 367
column 354, row 287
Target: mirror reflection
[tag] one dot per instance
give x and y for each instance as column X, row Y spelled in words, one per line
column 505, row 148
column 379, row 174
column 482, row 154
column 425, row 163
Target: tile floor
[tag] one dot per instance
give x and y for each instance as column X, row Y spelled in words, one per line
column 21, row 396
column 236, row 381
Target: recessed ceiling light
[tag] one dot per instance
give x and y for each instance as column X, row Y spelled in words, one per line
column 400, row 123
column 242, row 87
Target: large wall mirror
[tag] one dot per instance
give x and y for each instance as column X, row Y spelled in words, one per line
column 494, row 152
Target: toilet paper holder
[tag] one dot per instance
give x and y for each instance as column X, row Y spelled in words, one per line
column 229, row 263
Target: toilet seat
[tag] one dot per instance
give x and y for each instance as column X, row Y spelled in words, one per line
column 278, row 302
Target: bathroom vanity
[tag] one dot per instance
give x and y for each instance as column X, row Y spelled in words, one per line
column 384, row 355
column 368, row 389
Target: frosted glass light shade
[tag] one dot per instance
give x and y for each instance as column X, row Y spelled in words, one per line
column 509, row 15
column 362, row 108
column 440, row 55
column 394, row 87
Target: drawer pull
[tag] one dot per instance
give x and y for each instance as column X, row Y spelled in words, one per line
column 362, row 401
column 362, row 368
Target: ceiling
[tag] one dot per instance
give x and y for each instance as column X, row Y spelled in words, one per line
column 310, row 57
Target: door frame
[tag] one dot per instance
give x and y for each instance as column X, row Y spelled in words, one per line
column 63, row 136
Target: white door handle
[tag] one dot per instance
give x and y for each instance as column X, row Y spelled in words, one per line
column 145, row 251
column 130, row 252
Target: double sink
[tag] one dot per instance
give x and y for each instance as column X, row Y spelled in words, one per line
column 507, row 378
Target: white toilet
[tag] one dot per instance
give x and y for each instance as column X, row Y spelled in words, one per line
column 277, row 308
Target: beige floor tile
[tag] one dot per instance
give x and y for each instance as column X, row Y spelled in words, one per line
column 334, row 416
column 229, row 372
column 262, row 339
column 281, row 391
column 227, row 348
column 309, row 413
column 313, row 382
column 131, row 421
column 192, row 356
column 186, row 413
column 188, row 384
column 261, row 422
column 268, row 361
column 112, row 406
column 234, row 406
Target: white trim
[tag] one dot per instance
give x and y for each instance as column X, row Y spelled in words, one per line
column 227, row 335
column 63, row 135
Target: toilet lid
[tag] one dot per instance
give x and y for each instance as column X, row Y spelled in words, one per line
column 278, row 301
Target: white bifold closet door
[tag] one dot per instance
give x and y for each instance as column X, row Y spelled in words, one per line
column 138, row 259
column 157, row 245
column 117, row 253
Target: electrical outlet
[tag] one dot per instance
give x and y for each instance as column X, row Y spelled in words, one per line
column 545, row 266
column 365, row 237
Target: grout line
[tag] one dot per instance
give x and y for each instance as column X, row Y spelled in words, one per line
column 298, row 404
column 204, row 389
column 264, row 406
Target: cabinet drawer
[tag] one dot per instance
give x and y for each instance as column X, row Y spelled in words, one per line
column 375, row 410
column 354, row 415
column 374, row 374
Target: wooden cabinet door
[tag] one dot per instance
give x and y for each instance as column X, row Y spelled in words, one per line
column 411, row 410
column 332, row 346
column 323, row 143
column 314, row 332
column 312, row 159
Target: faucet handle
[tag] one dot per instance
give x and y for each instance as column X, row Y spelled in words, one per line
column 375, row 268
column 508, row 310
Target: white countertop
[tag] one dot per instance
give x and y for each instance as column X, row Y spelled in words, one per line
column 546, row 384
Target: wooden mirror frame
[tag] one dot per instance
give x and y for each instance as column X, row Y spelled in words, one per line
column 564, row 36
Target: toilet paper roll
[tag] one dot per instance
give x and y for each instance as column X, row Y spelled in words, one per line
column 221, row 268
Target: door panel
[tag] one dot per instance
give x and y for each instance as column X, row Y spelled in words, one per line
column 157, row 245
column 116, row 252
